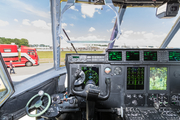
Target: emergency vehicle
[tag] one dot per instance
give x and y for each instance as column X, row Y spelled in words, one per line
column 25, row 56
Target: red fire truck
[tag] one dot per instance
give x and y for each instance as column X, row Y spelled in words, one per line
column 26, row 56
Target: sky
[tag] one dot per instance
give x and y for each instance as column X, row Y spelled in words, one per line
column 31, row 19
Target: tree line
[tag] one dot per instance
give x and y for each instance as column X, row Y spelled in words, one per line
column 18, row 42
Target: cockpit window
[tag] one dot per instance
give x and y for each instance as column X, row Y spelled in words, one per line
column 84, row 22
column 26, row 39
column 175, row 40
column 5, row 86
column 141, row 28
column 3, row 89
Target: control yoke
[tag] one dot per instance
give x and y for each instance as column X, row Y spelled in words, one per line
column 91, row 92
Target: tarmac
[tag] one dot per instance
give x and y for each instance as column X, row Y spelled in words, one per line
column 25, row 72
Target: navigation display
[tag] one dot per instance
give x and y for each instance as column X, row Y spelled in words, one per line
column 132, row 55
column 174, row 56
column 135, row 78
column 92, row 74
column 158, row 78
column 150, row 55
column 115, row 56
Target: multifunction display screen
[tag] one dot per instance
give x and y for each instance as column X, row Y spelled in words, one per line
column 115, row 56
column 135, row 78
column 132, row 55
column 174, row 56
column 158, row 78
column 150, row 55
column 91, row 74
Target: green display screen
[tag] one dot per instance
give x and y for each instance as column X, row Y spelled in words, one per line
column 158, row 78
column 91, row 74
column 135, row 78
column 132, row 55
column 115, row 56
column 174, row 56
column 150, row 55
column 75, row 56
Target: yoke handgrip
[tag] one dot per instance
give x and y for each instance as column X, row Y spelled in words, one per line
column 90, row 87
column 108, row 90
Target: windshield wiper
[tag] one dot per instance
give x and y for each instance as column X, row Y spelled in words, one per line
column 70, row 40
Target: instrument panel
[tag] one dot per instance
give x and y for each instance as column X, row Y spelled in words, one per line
column 143, row 56
column 140, row 77
column 135, row 56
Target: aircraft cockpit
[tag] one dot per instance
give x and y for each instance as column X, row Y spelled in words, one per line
column 120, row 84
column 138, row 83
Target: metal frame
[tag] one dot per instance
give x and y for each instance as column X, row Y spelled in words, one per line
column 121, row 12
column 66, row 7
column 55, row 20
column 6, row 80
column 171, row 34
column 110, row 4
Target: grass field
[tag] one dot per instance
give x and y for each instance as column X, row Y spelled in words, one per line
column 47, row 56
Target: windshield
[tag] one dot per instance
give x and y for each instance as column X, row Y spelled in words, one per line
column 87, row 23
column 140, row 27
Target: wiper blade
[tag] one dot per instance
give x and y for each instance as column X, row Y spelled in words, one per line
column 69, row 40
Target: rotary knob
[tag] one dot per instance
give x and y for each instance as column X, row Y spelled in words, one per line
column 135, row 96
column 140, row 96
column 71, row 101
column 129, row 96
column 156, row 105
column 54, row 98
column 165, row 103
column 174, row 98
column 134, row 102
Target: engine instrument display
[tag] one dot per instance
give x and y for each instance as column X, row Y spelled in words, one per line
column 174, row 56
column 132, row 55
column 135, row 78
column 91, row 73
column 158, row 78
column 115, row 56
column 150, row 55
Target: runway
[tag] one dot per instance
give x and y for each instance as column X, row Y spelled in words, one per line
column 25, row 72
